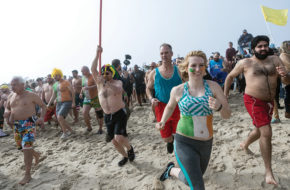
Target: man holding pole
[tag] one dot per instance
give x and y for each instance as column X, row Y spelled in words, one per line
column 110, row 93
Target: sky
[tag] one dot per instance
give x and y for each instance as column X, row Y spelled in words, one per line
column 39, row 35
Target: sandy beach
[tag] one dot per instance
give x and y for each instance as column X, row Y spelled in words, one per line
column 88, row 162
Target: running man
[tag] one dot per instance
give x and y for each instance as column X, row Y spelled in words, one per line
column 21, row 112
column 162, row 80
column 65, row 98
column 261, row 72
column 110, row 94
column 77, row 87
column 91, row 100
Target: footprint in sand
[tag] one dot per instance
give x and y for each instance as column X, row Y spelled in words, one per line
column 157, row 184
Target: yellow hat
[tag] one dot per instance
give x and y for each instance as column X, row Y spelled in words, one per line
column 4, row 86
column 56, row 71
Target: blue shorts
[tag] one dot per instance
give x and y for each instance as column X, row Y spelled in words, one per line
column 63, row 108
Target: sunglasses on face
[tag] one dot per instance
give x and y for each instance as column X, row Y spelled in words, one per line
column 106, row 73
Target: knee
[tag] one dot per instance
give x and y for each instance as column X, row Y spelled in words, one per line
column 60, row 118
column 86, row 114
column 115, row 142
column 118, row 139
column 266, row 133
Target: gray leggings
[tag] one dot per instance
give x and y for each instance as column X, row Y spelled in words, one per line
column 193, row 157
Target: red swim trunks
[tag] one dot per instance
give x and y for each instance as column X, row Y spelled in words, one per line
column 49, row 113
column 171, row 124
column 260, row 111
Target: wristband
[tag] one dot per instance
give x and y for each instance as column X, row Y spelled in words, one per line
column 125, row 94
column 221, row 106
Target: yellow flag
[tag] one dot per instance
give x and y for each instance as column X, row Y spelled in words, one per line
column 276, row 16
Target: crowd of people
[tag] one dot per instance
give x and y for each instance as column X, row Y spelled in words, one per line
column 183, row 94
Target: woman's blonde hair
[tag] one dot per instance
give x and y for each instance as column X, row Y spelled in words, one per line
column 284, row 47
column 183, row 67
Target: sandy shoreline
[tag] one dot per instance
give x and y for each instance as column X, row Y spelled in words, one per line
column 88, row 162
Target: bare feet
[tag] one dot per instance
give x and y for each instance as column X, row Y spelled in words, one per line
column 270, row 179
column 246, row 149
column 25, row 180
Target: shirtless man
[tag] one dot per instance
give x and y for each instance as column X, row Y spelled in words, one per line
column 152, row 67
column 285, row 57
column 110, row 95
column 162, row 80
column 46, row 96
column 39, row 88
column 91, row 100
column 21, row 112
column 261, row 72
column 77, row 86
column 65, row 98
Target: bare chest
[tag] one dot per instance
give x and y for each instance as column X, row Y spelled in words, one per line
column 266, row 69
column 18, row 102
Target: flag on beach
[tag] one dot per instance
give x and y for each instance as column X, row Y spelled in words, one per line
column 276, row 16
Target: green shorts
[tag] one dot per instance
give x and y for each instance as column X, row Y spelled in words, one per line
column 94, row 103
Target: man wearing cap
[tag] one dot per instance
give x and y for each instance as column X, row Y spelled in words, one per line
column 261, row 72
column 110, row 93
column 245, row 41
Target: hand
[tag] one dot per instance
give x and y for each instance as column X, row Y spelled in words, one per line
column 99, row 50
column 39, row 121
column 281, row 71
column 73, row 105
column 160, row 125
column 214, row 104
column 154, row 101
column 81, row 96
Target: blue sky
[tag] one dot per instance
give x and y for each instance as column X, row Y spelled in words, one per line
column 38, row 35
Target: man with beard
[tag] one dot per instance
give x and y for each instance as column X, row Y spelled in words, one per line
column 285, row 57
column 261, row 72
column 77, row 87
column 46, row 95
column 110, row 93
